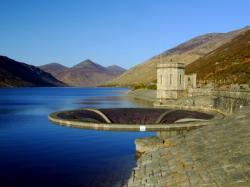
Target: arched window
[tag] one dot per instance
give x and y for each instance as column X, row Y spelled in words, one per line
column 189, row 82
column 180, row 79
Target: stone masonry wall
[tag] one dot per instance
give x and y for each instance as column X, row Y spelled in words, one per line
column 214, row 155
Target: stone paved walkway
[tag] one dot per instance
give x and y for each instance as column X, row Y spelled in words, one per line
column 214, row 155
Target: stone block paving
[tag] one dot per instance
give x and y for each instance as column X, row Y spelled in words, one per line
column 214, row 155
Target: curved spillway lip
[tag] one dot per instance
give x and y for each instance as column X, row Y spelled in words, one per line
column 182, row 124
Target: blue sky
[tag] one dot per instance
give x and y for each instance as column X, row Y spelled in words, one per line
column 123, row 32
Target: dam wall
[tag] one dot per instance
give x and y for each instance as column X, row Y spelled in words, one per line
column 214, row 155
column 222, row 101
column 230, row 102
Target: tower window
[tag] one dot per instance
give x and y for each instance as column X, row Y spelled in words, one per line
column 161, row 79
column 170, row 80
column 180, row 79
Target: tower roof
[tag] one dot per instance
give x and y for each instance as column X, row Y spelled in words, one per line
column 170, row 64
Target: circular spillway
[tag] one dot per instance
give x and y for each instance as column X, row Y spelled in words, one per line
column 131, row 119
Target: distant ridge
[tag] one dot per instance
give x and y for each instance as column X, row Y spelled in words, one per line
column 116, row 69
column 53, row 68
column 186, row 52
column 17, row 74
column 85, row 74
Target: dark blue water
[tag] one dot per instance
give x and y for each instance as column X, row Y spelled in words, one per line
column 34, row 152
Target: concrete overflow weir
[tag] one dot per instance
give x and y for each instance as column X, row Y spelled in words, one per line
column 133, row 119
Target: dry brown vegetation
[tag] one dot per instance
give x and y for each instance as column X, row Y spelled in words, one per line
column 228, row 64
column 188, row 52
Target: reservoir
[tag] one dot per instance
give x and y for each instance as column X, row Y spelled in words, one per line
column 36, row 152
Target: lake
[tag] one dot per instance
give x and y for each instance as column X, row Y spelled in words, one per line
column 35, row 152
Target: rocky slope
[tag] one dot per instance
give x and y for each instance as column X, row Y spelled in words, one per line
column 228, row 64
column 17, row 74
column 84, row 74
column 186, row 52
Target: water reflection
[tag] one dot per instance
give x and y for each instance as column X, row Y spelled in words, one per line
column 105, row 101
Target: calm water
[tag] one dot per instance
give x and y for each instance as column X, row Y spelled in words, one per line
column 34, row 152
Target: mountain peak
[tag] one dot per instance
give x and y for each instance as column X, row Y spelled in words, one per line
column 54, row 64
column 88, row 64
column 87, row 61
column 53, row 68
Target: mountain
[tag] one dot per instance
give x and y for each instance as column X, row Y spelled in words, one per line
column 117, row 70
column 230, row 63
column 53, row 68
column 186, row 52
column 17, row 74
column 84, row 74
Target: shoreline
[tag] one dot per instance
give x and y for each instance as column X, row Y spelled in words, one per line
column 213, row 155
column 143, row 95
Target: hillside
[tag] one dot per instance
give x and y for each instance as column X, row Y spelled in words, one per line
column 53, row 68
column 228, row 64
column 84, row 74
column 186, row 52
column 17, row 74
column 116, row 70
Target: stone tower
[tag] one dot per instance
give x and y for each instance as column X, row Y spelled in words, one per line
column 170, row 80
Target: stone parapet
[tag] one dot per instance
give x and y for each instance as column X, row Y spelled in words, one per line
column 215, row 155
column 225, row 102
column 171, row 65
